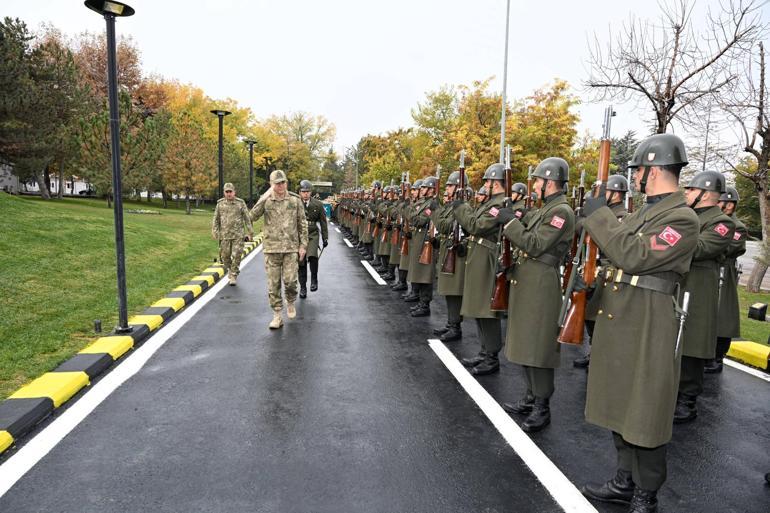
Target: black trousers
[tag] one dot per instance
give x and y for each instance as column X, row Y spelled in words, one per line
column 723, row 345
column 490, row 335
column 691, row 377
column 539, row 381
column 424, row 290
column 313, row 261
column 453, row 305
column 647, row 466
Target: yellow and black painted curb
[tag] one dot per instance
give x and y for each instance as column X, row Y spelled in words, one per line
column 750, row 353
column 37, row 400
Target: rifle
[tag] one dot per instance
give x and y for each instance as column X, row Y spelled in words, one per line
column 573, row 324
column 377, row 218
column 571, row 256
column 499, row 299
column 528, row 201
column 630, row 193
column 405, row 232
column 388, row 221
column 450, row 259
column 397, row 229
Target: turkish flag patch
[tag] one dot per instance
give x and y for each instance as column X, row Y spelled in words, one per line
column 737, row 236
column 721, row 229
column 670, row 236
column 557, row 222
column 427, row 211
column 493, row 211
column 517, row 214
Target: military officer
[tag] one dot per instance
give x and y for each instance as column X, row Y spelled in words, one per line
column 231, row 224
column 702, row 282
column 535, row 289
column 616, row 190
column 635, row 360
column 284, row 243
column 729, row 320
column 480, row 268
column 316, row 216
column 420, row 274
column 450, row 285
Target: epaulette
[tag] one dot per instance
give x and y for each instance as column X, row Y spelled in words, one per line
column 220, row 200
column 295, row 195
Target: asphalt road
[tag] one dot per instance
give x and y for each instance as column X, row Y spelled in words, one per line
column 348, row 409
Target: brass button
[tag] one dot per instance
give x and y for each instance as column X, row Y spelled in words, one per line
column 601, row 312
column 515, row 282
column 615, row 288
column 609, row 316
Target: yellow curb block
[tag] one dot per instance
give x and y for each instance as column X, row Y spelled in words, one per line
column 195, row 289
column 207, row 278
column 152, row 321
column 58, row 386
column 750, row 353
column 6, row 440
column 114, row 346
column 219, row 270
column 177, row 303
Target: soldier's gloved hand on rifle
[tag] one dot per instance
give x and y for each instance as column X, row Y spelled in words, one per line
column 504, row 215
column 594, row 203
column 580, row 285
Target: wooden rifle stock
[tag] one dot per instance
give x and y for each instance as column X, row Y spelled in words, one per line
column 405, row 239
column 426, row 253
column 450, row 259
column 499, row 300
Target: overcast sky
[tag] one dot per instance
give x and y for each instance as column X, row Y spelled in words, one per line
column 360, row 63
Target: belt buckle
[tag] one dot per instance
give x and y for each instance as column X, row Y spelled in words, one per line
column 618, row 275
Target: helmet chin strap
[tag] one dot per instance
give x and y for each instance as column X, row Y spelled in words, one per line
column 643, row 181
column 542, row 190
column 698, row 198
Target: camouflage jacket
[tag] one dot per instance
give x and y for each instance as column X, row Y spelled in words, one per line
column 231, row 220
column 285, row 229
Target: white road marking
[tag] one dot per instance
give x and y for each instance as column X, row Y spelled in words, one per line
column 374, row 273
column 337, row 230
column 27, row 457
column 747, row 369
column 561, row 489
column 348, row 243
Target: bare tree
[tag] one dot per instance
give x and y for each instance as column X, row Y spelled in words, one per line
column 670, row 65
column 748, row 107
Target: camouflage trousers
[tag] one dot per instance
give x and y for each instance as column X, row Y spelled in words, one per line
column 281, row 267
column 230, row 254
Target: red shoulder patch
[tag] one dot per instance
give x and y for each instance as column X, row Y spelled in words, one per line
column 737, row 236
column 427, row 211
column 670, row 236
column 721, row 229
column 517, row 214
column 494, row 211
column 557, row 222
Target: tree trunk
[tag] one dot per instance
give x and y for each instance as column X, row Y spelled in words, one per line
column 149, row 196
column 165, row 199
column 41, row 183
column 187, row 204
column 763, row 260
column 60, row 192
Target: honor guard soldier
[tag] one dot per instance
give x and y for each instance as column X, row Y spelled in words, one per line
column 316, row 216
column 394, row 236
column 480, row 268
column 617, row 188
column 421, row 274
column 635, row 358
column 284, row 243
column 535, row 295
column 702, row 282
column 729, row 319
column 481, row 195
column 231, row 224
column 403, row 240
column 450, row 285
column 406, row 257
column 383, row 239
column 519, row 199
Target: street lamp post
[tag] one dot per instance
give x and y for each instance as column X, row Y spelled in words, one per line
column 251, row 144
column 111, row 10
column 221, row 115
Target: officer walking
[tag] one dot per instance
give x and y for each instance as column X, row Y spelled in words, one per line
column 231, row 224
column 702, row 282
column 316, row 216
column 635, row 356
column 284, row 243
column 729, row 319
column 535, row 289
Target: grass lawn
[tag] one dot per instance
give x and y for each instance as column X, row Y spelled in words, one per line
column 756, row 331
column 57, row 273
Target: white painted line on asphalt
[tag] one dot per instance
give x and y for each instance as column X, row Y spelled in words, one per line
column 747, row 369
column 348, row 243
column 27, row 457
column 561, row 489
column 374, row 273
column 337, row 230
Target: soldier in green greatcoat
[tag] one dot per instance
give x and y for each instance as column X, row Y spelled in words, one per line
column 535, row 296
column 394, row 235
column 406, row 259
column 400, row 259
column 450, row 285
column 635, row 358
column 316, row 217
column 702, row 282
column 480, row 267
column 383, row 235
column 420, row 274
column 729, row 319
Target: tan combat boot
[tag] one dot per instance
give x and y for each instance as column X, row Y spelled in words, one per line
column 232, row 279
column 277, row 321
column 291, row 312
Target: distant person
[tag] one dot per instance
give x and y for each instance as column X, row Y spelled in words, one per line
column 316, row 216
column 231, row 225
column 284, row 243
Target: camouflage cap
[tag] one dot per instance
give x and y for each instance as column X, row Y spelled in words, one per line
column 228, row 187
column 277, row 176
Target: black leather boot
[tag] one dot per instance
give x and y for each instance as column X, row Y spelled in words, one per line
column 313, row 284
column 474, row 360
column 412, row 297
column 539, row 417
column 713, row 366
column 454, row 333
column 618, row 490
column 490, row 365
column 302, row 292
column 644, row 501
column 441, row 331
column 399, row 286
column 422, row 310
column 523, row 406
column 582, row 362
column 685, row 409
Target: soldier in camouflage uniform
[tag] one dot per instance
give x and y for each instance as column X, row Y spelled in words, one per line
column 285, row 243
column 231, row 224
column 316, row 216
